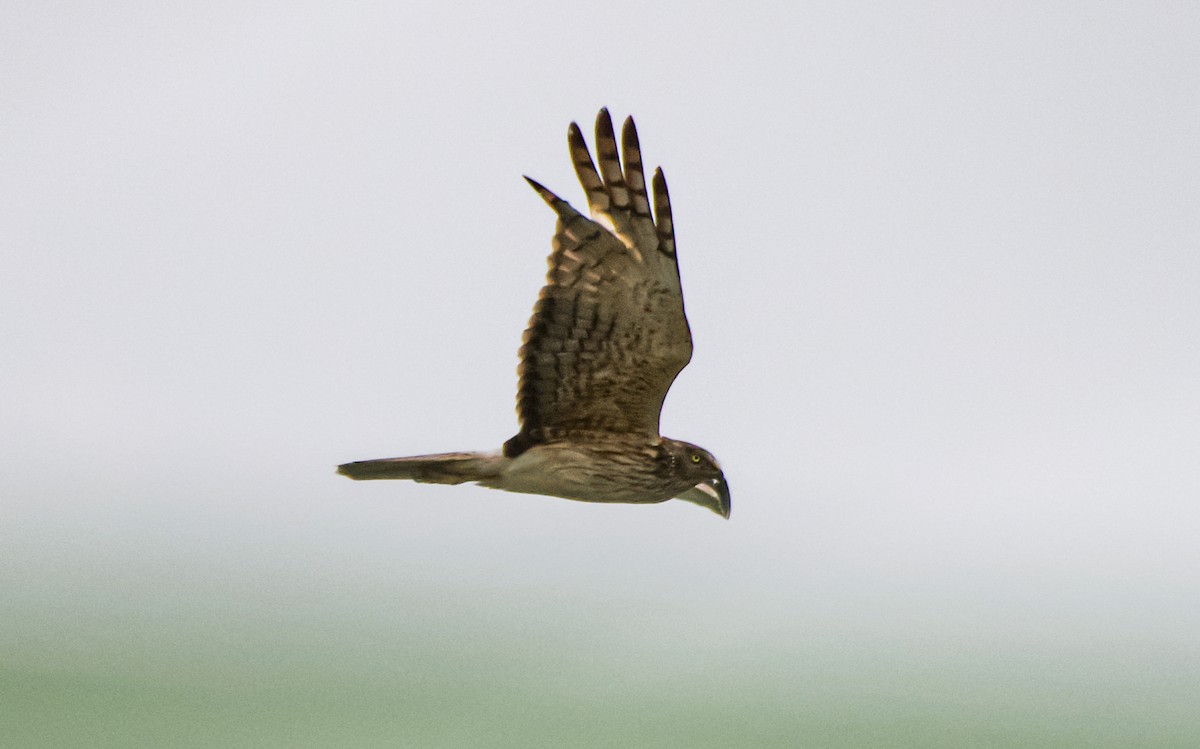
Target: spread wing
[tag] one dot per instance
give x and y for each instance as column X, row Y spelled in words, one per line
column 608, row 333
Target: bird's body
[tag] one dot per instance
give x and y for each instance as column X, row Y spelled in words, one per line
column 601, row 469
column 607, row 338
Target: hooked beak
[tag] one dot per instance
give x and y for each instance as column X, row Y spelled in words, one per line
column 713, row 494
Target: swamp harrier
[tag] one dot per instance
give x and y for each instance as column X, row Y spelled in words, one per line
column 607, row 338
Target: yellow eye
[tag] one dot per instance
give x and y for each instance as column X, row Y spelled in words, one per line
column 695, row 458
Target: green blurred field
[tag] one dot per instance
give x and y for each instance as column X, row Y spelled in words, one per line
column 222, row 657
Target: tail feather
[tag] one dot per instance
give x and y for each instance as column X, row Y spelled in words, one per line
column 446, row 468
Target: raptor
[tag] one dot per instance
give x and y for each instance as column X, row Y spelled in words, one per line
column 607, row 338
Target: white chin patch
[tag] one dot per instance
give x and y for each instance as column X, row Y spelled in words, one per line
column 708, row 489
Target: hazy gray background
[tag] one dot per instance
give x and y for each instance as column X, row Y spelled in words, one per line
column 942, row 264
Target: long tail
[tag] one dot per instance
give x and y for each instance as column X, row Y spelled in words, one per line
column 446, row 468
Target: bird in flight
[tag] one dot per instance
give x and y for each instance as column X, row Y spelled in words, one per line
column 607, row 338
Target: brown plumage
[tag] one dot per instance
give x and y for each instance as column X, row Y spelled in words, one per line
column 607, row 338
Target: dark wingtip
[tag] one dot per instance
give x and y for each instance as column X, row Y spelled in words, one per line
column 542, row 190
column 604, row 120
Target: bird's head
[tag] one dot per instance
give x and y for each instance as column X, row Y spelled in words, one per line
column 697, row 467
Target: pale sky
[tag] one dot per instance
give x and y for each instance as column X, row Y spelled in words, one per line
column 942, row 268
